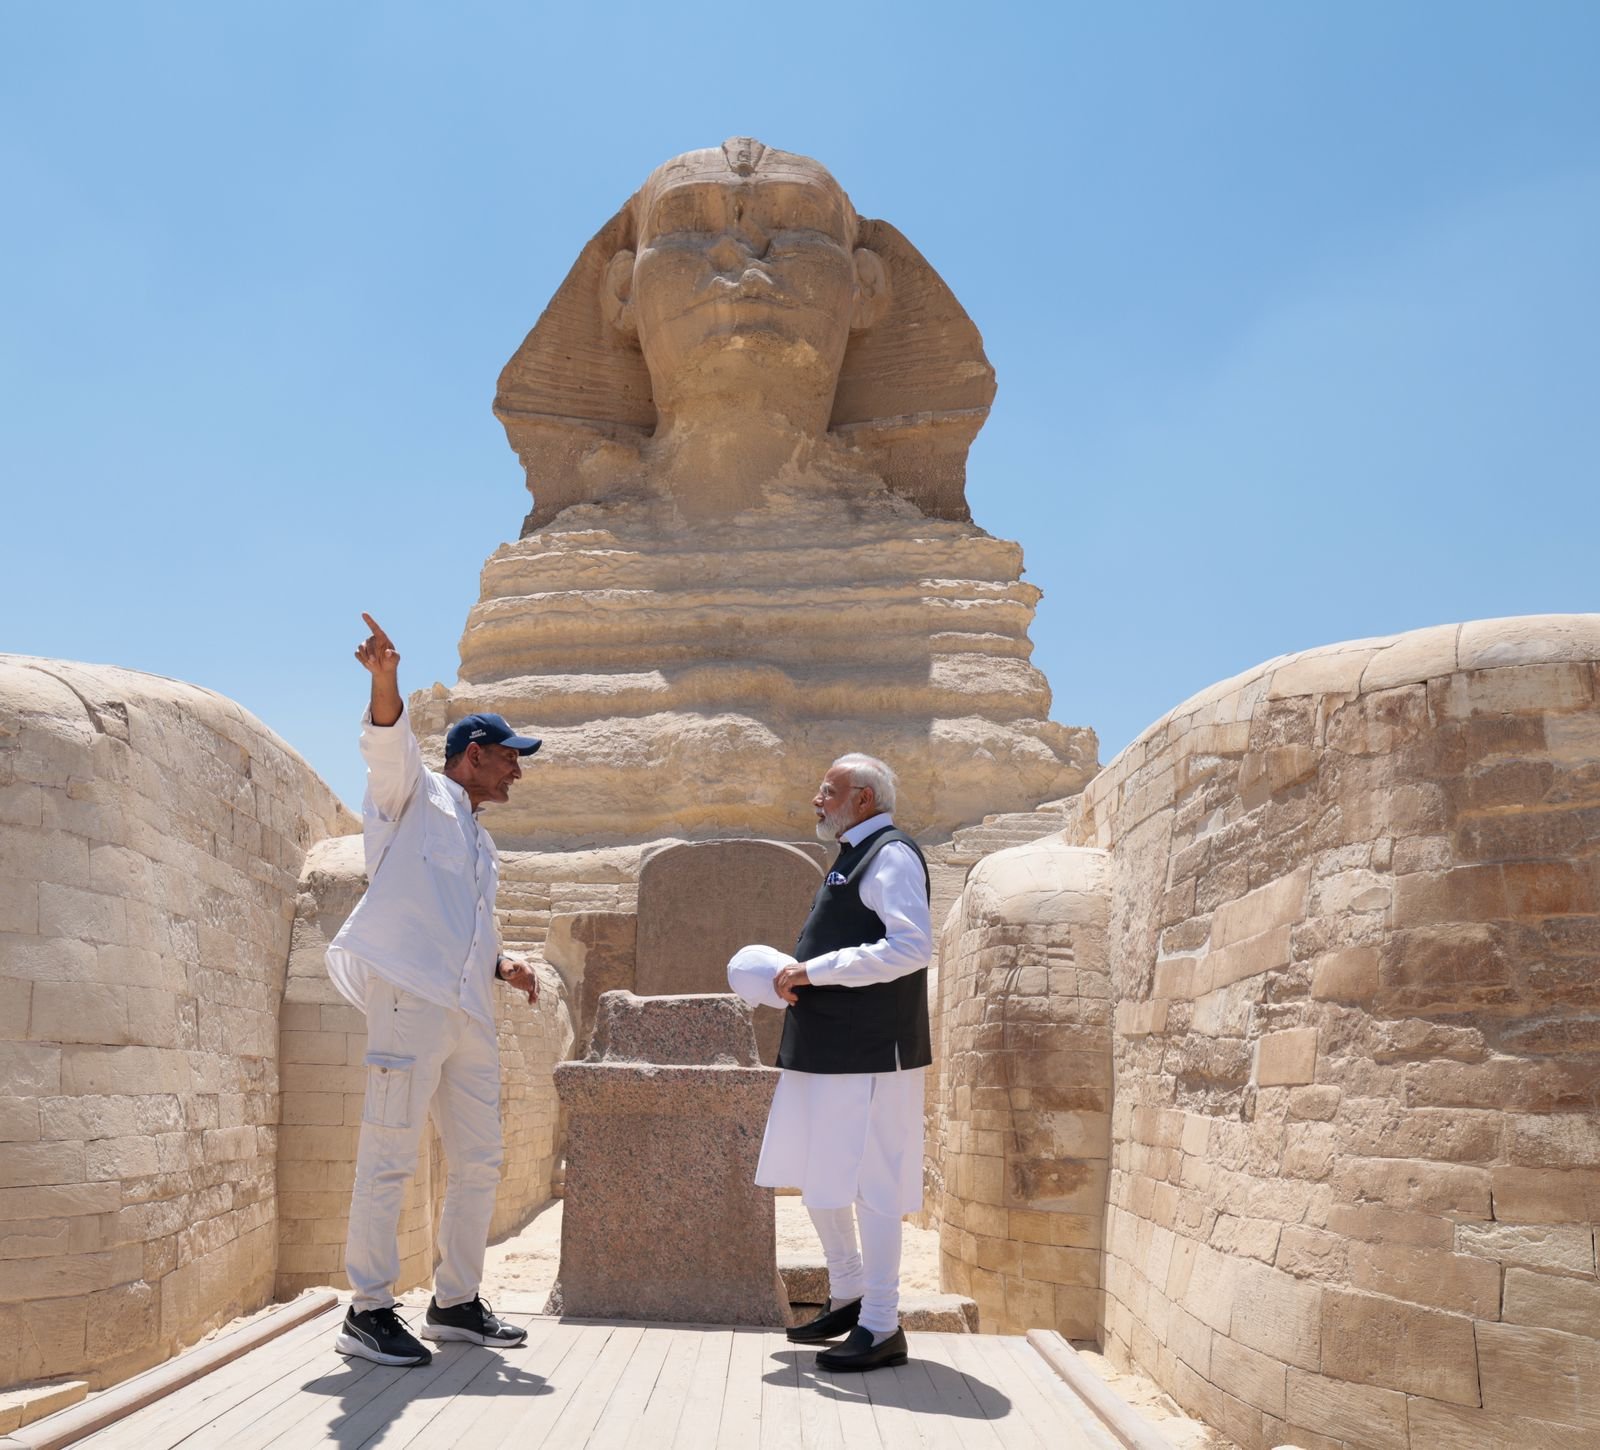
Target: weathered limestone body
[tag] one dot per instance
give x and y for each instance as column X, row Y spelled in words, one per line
column 745, row 418
column 151, row 836
column 1353, row 900
column 1024, row 1088
column 663, row 1218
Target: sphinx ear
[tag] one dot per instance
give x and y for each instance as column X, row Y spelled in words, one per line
column 616, row 294
column 871, row 298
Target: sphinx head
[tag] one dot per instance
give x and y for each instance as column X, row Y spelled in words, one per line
column 737, row 321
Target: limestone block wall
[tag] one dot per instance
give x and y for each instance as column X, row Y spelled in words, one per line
column 323, row 1044
column 151, row 835
column 1024, row 1013
column 1356, row 1142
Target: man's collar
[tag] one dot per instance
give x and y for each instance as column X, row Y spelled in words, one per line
column 862, row 829
column 459, row 791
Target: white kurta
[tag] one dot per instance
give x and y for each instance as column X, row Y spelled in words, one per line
column 842, row 1136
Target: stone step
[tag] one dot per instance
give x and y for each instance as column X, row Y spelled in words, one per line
column 515, row 917
column 1000, row 832
column 24, row 1404
column 805, row 1280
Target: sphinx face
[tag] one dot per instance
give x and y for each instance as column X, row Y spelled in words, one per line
column 744, row 281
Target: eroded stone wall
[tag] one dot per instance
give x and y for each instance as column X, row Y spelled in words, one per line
column 151, row 835
column 1024, row 1084
column 1356, row 961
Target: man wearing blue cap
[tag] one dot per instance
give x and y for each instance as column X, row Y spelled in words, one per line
column 418, row 955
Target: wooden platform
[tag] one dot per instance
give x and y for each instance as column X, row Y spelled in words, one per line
column 586, row 1385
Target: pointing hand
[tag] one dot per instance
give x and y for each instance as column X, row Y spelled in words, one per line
column 377, row 652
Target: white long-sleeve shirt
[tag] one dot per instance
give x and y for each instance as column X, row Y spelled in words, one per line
column 894, row 887
column 426, row 923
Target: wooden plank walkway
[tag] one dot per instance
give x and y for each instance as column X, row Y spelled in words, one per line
column 587, row 1385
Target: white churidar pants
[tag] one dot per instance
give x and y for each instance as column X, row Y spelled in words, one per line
column 424, row 1058
column 852, row 1144
column 870, row 1273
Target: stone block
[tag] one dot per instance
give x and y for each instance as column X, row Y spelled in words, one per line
column 1414, row 1187
column 1559, row 1248
column 1380, row 722
column 1422, row 654
column 1312, row 1253
column 681, row 1031
column 69, row 1275
column 1055, row 1265
column 19, row 1120
column 1372, row 1418
column 595, row 952
column 1248, row 958
column 1538, row 688
column 1253, row 1238
column 1208, row 1284
column 30, row 1069
column 1449, row 1427
column 1379, row 1341
column 1320, row 672
column 1266, row 773
column 19, row 906
column 25, row 1165
column 75, row 1012
column 663, row 1219
column 1254, row 1378
column 1553, row 1140
column 1277, row 904
column 700, row 902
column 1457, row 1283
column 1552, row 1301
column 1287, row 1057
column 69, row 911
column 1544, row 1195
column 1278, row 1316
column 1540, row 1373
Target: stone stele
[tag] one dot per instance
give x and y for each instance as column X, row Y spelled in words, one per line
column 663, row 1219
column 744, row 419
column 700, row 902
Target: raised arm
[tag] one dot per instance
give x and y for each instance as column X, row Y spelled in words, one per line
column 382, row 660
column 394, row 764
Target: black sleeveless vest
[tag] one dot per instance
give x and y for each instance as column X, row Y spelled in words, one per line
column 876, row 1028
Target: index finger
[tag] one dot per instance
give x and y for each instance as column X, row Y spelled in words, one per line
column 376, row 628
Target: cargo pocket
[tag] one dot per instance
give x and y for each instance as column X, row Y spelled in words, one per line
column 388, row 1102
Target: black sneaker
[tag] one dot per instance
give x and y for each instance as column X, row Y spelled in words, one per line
column 381, row 1336
column 473, row 1321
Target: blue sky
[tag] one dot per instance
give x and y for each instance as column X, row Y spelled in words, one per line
column 1294, row 308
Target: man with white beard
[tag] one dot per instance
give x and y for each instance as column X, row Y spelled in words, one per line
column 846, row 1119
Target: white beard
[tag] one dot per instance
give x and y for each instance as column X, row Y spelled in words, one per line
column 828, row 829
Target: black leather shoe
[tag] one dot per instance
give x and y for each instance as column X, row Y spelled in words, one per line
column 829, row 1324
column 858, row 1352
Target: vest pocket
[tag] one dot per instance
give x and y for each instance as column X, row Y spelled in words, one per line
column 388, row 1102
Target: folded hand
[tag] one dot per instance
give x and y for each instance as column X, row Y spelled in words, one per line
column 788, row 979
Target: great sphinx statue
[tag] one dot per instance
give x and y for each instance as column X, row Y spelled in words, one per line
column 744, row 419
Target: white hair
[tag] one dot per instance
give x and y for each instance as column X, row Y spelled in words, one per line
column 870, row 771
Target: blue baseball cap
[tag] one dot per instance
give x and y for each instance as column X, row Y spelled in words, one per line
column 486, row 730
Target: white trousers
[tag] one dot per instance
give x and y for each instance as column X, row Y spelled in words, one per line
column 424, row 1058
column 869, row 1272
